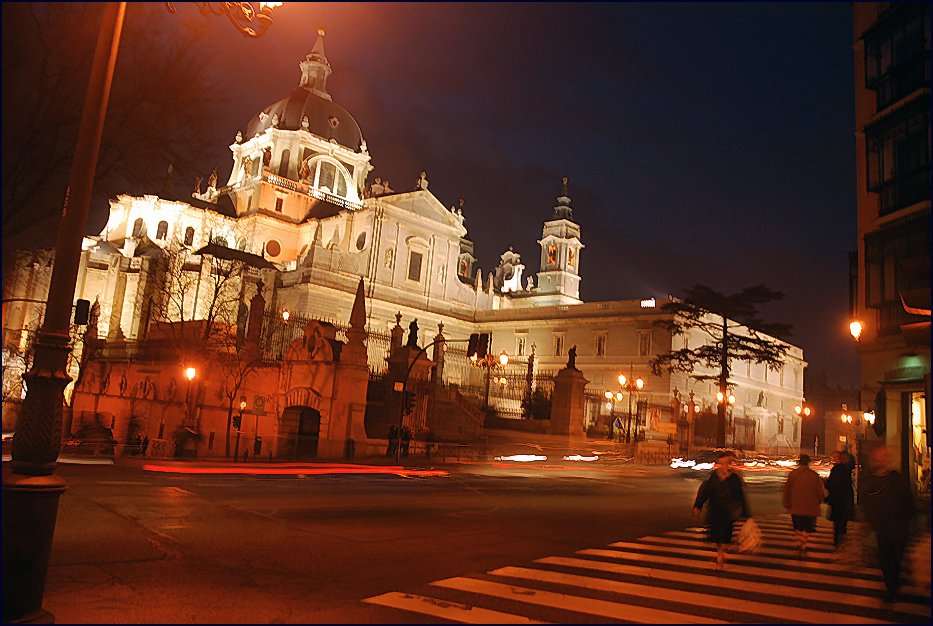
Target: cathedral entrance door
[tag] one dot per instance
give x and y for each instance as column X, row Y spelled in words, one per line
column 309, row 430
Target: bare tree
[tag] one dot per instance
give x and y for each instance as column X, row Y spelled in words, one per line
column 160, row 110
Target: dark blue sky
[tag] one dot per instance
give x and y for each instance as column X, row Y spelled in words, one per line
column 705, row 143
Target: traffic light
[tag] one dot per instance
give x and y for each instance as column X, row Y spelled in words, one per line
column 82, row 312
column 237, row 420
column 478, row 345
column 483, row 346
column 408, row 402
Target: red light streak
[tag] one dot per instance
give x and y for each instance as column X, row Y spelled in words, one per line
column 295, row 470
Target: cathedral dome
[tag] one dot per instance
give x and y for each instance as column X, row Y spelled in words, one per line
column 325, row 118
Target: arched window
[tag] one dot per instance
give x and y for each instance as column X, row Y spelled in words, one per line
column 221, row 241
column 283, row 163
column 138, row 227
column 162, row 230
column 189, row 236
column 329, row 175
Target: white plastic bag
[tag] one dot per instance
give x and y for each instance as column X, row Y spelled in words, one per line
column 749, row 537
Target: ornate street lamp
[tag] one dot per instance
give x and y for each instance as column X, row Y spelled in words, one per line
column 31, row 488
column 631, row 386
column 729, row 401
column 489, row 363
column 243, row 15
column 239, row 426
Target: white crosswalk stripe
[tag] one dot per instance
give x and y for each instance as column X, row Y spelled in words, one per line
column 672, row 578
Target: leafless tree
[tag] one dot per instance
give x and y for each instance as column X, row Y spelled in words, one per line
column 160, row 110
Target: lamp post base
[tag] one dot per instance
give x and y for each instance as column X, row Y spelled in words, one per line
column 30, row 510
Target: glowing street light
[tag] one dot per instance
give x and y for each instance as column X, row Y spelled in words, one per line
column 855, row 328
column 190, row 373
column 631, row 386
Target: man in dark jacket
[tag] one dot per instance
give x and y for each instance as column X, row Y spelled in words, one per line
column 841, row 498
column 888, row 505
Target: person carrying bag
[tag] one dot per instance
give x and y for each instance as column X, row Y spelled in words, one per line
column 724, row 495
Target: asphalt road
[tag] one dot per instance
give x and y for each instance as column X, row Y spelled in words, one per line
column 139, row 547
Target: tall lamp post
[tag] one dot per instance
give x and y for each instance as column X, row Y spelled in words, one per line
column 631, row 386
column 489, row 363
column 239, row 424
column 728, row 399
column 846, row 419
column 190, row 373
column 803, row 411
column 31, row 488
column 611, row 405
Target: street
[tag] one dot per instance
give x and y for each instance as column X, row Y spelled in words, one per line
column 484, row 543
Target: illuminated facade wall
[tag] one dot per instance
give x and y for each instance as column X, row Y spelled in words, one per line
column 285, row 205
column 892, row 117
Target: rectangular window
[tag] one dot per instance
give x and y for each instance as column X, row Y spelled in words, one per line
column 897, row 55
column 898, row 158
column 279, row 203
column 600, row 344
column 520, row 345
column 415, row 260
column 780, row 425
column 558, row 345
column 644, row 343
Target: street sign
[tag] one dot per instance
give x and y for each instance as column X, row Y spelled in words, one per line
column 259, row 405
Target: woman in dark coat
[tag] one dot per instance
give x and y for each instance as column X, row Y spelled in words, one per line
column 725, row 495
column 841, row 498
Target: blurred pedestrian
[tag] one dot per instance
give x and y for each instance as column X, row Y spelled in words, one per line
column 724, row 496
column 393, row 441
column 145, row 445
column 803, row 494
column 406, row 440
column 840, row 497
column 889, row 505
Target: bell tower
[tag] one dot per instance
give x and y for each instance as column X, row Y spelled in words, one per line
column 559, row 278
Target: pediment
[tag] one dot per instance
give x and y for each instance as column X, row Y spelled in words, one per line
column 425, row 205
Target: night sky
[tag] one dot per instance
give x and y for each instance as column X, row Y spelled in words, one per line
column 705, row 143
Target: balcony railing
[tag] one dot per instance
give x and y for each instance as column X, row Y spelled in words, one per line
column 902, row 192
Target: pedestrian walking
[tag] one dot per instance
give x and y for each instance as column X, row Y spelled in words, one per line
column 803, row 494
column 888, row 505
column 406, row 440
column 145, row 445
column 840, row 497
column 393, row 441
column 724, row 496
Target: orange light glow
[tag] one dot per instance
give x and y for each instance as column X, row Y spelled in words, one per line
column 295, row 470
column 856, row 329
column 190, row 373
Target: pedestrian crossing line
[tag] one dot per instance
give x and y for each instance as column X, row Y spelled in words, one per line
column 802, row 593
column 453, row 611
column 816, row 538
column 767, row 540
column 703, row 600
column 841, row 578
column 766, row 549
column 788, row 528
column 763, row 561
column 579, row 604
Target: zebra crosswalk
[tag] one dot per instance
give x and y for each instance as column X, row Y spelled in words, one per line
column 671, row 578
